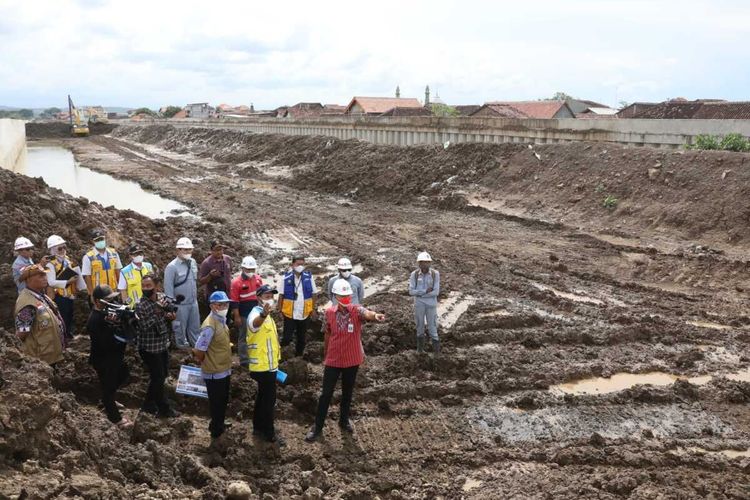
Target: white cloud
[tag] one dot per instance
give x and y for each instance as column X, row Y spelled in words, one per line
column 153, row 53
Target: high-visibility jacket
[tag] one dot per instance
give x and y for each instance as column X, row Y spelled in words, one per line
column 133, row 277
column 70, row 290
column 100, row 276
column 45, row 341
column 263, row 349
column 219, row 354
column 290, row 292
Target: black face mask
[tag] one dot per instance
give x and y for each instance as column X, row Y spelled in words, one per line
column 148, row 293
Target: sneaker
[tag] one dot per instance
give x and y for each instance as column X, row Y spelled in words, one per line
column 313, row 435
column 347, row 426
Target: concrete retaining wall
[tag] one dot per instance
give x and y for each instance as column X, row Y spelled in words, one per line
column 407, row 131
column 12, row 141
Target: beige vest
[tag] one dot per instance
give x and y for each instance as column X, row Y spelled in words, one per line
column 219, row 355
column 44, row 341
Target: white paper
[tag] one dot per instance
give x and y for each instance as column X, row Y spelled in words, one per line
column 190, row 382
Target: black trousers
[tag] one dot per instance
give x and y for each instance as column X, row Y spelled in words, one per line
column 295, row 328
column 330, row 377
column 218, row 399
column 113, row 373
column 265, row 402
column 65, row 306
column 157, row 366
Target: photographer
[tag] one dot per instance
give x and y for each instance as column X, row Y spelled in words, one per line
column 108, row 338
column 152, row 340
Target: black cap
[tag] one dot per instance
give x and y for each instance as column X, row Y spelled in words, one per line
column 134, row 249
column 97, row 233
column 104, row 292
column 216, row 243
column 265, row 289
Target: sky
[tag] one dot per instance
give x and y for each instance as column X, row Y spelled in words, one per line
column 155, row 53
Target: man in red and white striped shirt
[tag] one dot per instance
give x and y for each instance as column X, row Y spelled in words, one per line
column 343, row 353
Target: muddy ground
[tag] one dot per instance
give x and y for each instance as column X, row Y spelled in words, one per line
column 543, row 286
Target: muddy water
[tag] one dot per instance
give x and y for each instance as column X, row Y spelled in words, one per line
column 622, row 381
column 59, row 169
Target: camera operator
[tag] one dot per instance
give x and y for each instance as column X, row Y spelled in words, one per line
column 108, row 340
column 152, row 340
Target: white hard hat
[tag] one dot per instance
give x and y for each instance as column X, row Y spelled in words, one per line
column 342, row 287
column 22, row 243
column 344, row 264
column 249, row 263
column 184, row 243
column 54, row 240
column 424, row 257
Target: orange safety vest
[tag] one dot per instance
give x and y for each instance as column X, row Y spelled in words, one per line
column 70, row 290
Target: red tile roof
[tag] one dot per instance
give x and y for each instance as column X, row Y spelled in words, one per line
column 534, row 109
column 378, row 105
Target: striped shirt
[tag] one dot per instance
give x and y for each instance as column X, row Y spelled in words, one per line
column 344, row 328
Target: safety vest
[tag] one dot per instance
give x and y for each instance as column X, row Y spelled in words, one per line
column 70, row 290
column 219, row 354
column 287, row 308
column 44, row 342
column 100, row 276
column 263, row 349
column 133, row 277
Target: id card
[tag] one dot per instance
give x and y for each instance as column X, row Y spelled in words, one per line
column 350, row 329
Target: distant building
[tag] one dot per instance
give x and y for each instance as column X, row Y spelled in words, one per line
column 633, row 109
column 700, row 109
column 400, row 111
column 199, row 110
column 525, row 109
column 304, row 110
column 466, row 109
column 333, row 109
column 597, row 113
column 578, row 106
column 379, row 105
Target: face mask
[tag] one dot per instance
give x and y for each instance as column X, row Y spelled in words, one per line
column 138, row 259
column 346, row 274
column 60, row 252
column 100, row 245
column 148, row 293
column 269, row 302
column 186, row 256
column 344, row 300
column 299, row 269
column 248, row 275
column 222, row 312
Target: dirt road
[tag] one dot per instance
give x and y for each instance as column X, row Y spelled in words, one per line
column 529, row 306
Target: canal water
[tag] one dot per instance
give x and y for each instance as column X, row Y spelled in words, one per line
column 60, row 170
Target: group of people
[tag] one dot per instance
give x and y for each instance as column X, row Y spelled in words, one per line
column 133, row 305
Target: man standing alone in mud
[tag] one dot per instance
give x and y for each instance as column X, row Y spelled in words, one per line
column 181, row 283
column 424, row 286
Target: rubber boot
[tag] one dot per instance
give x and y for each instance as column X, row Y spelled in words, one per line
column 420, row 344
column 436, row 346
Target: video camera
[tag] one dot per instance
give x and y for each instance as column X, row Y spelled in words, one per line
column 122, row 317
column 169, row 304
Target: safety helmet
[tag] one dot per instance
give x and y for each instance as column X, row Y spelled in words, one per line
column 22, row 243
column 184, row 243
column 217, row 297
column 249, row 263
column 342, row 287
column 344, row 264
column 54, row 240
column 424, row 257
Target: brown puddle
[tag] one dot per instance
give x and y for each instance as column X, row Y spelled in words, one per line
column 726, row 453
column 622, row 381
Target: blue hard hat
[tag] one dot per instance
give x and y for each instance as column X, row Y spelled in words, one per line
column 218, row 296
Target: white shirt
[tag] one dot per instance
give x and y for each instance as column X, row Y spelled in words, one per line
column 298, row 311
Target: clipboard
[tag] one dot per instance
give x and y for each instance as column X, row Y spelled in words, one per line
column 66, row 274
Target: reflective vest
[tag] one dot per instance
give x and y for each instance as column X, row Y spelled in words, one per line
column 44, row 342
column 219, row 354
column 70, row 290
column 263, row 349
column 133, row 277
column 306, row 287
column 100, row 276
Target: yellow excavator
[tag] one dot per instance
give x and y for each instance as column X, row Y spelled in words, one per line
column 78, row 126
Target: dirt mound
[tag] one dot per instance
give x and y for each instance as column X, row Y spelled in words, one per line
column 59, row 130
column 699, row 193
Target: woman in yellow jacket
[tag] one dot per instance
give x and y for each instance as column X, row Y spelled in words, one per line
column 264, row 353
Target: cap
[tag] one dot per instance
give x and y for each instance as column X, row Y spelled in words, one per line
column 104, row 292
column 135, row 249
column 265, row 289
column 218, row 297
column 249, row 263
column 184, row 243
column 32, row 270
column 216, row 243
column 97, row 234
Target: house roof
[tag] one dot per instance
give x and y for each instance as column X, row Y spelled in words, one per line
column 466, row 109
column 401, row 111
column 180, row 114
column 302, row 109
column 532, row 109
column 601, row 111
column 724, row 111
column 379, row 105
column 708, row 109
column 670, row 110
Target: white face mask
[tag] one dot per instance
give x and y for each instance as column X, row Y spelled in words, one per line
column 222, row 312
column 186, row 256
column 346, row 274
column 269, row 302
column 100, row 245
column 138, row 259
column 299, row 269
column 248, row 273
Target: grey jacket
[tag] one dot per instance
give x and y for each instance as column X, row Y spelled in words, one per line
column 357, row 287
column 419, row 283
column 181, row 278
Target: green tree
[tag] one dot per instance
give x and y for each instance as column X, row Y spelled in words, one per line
column 170, row 111
column 560, row 96
column 26, row 114
column 623, row 104
column 144, row 111
column 50, row 112
column 444, row 110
